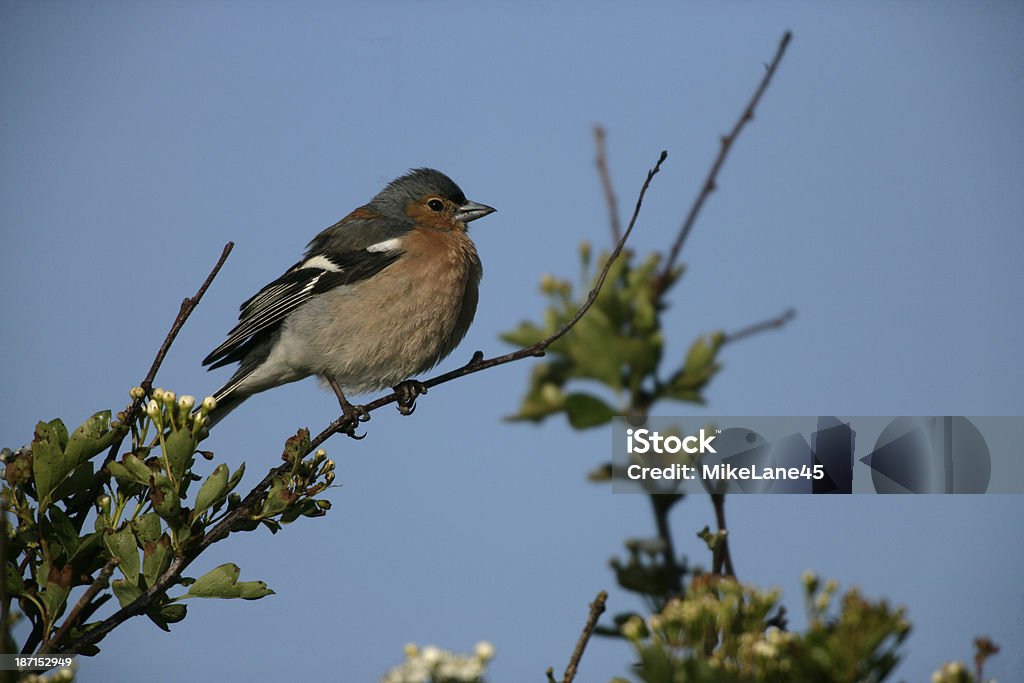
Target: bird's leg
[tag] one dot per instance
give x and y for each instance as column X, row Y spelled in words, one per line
column 359, row 413
column 408, row 391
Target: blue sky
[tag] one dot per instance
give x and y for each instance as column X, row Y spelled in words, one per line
column 878, row 191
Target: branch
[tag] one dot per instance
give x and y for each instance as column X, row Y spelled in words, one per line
column 725, row 557
column 478, row 362
column 606, row 183
column 710, row 182
column 596, row 609
column 757, row 328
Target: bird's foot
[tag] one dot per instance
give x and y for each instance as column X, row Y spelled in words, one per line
column 351, row 415
column 407, row 392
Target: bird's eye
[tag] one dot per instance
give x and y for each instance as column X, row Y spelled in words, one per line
column 436, row 205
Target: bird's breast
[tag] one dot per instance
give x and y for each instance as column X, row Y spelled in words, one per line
column 403, row 320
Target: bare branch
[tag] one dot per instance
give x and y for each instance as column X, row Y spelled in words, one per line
column 345, row 423
column 710, row 182
column 596, row 610
column 763, row 326
column 606, row 183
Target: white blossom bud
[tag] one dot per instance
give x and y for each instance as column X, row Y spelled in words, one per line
column 484, row 651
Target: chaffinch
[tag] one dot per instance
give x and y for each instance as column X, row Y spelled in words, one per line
column 382, row 295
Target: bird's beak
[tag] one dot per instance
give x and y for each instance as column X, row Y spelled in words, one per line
column 470, row 211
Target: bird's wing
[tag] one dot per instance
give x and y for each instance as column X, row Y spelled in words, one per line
column 314, row 275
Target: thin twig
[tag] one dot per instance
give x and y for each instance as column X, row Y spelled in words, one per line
column 606, row 183
column 710, row 182
column 101, row 582
column 763, row 326
column 478, row 362
column 187, row 306
column 718, row 500
column 596, row 609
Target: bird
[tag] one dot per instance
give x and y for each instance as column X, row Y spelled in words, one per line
column 382, row 295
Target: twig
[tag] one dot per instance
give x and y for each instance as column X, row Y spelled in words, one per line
column 101, row 582
column 606, row 183
column 596, row 609
column 763, row 326
column 718, row 500
column 187, row 306
column 478, row 362
column 723, row 151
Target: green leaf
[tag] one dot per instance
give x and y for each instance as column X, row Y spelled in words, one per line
column 223, row 582
column 64, row 530
column 89, row 543
column 213, row 490
column 543, row 399
column 126, row 592
column 235, row 478
column 92, row 437
column 295, row 447
column 164, row 496
column 58, row 586
column 15, row 584
column 49, row 462
column 147, row 528
column 526, row 334
column 122, row 545
column 586, row 410
column 180, row 447
column 167, row 614
column 78, row 482
column 591, row 355
column 156, row 557
column 131, row 470
column 278, row 498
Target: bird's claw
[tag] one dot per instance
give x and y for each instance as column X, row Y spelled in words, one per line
column 407, row 392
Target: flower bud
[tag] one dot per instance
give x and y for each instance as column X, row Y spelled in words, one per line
column 186, row 402
column 484, row 651
column 209, row 403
